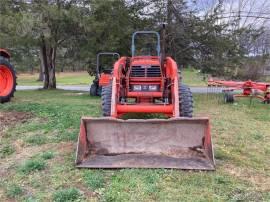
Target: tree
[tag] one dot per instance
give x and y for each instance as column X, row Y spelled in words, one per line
column 42, row 26
column 21, row 48
column 67, row 34
column 108, row 27
column 57, row 24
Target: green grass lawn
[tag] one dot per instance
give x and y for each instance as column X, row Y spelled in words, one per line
column 37, row 153
column 191, row 77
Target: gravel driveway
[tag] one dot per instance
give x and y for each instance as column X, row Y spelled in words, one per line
column 84, row 88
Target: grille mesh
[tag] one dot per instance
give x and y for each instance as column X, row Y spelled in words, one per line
column 138, row 71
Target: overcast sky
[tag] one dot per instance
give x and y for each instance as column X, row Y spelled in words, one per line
column 251, row 8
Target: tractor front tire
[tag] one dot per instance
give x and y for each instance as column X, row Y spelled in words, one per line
column 106, row 97
column 7, row 80
column 185, row 101
column 228, row 97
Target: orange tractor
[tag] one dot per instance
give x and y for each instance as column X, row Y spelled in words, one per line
column 146, row 84
column 7, row 77
column 103, row 72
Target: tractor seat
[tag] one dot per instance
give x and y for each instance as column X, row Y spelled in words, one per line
column 107, row 71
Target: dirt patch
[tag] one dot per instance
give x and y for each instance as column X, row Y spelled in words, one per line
column 63, row 149
column 11, row 118
column 259, row 180
column 4, row 198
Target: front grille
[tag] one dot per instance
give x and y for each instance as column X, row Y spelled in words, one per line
column 151, row 71
column 137, row 71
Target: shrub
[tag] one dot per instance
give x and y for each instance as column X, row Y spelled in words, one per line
column 47, row 155
column 6, row 151
column 14, row 190
column 36, row 140
column 32, row 165
column 64, row 195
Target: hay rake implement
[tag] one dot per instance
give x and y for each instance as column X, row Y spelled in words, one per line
column 242, row 89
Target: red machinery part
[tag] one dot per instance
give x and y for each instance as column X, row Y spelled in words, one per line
column 4, row 53
column 7, row 77
column 104, row 79
column 103, row 75
column 267, row 96
column 6, row 80
column 172, row 110
column 247, row 87
column 179, row 143
column 147, row 85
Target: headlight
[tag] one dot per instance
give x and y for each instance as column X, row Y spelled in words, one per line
column 145, row 88
column 153, row 88
column 137, row 87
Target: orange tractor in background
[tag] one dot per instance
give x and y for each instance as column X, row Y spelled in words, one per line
column 103, row 72
column 7, row 77
column 145, row 84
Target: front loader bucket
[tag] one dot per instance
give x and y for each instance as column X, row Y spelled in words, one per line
column 180, row 143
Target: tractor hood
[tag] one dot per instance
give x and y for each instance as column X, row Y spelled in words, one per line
column 145, row 60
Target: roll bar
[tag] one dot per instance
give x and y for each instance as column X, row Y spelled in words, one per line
column 133, row 47
column 105, row 53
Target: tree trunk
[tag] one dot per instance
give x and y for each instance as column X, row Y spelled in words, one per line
column 48, row 60
column 51, row 59
column 169, row 36
column 41, row 67
column 44, row 57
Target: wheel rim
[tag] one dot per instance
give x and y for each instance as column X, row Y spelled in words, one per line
column 6, row 81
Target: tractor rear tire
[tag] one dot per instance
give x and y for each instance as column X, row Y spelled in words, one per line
column 93, row 89
column 99, row 90
column 228, row 97
column 106, row 97
column 7, row 87
column 185, row 101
